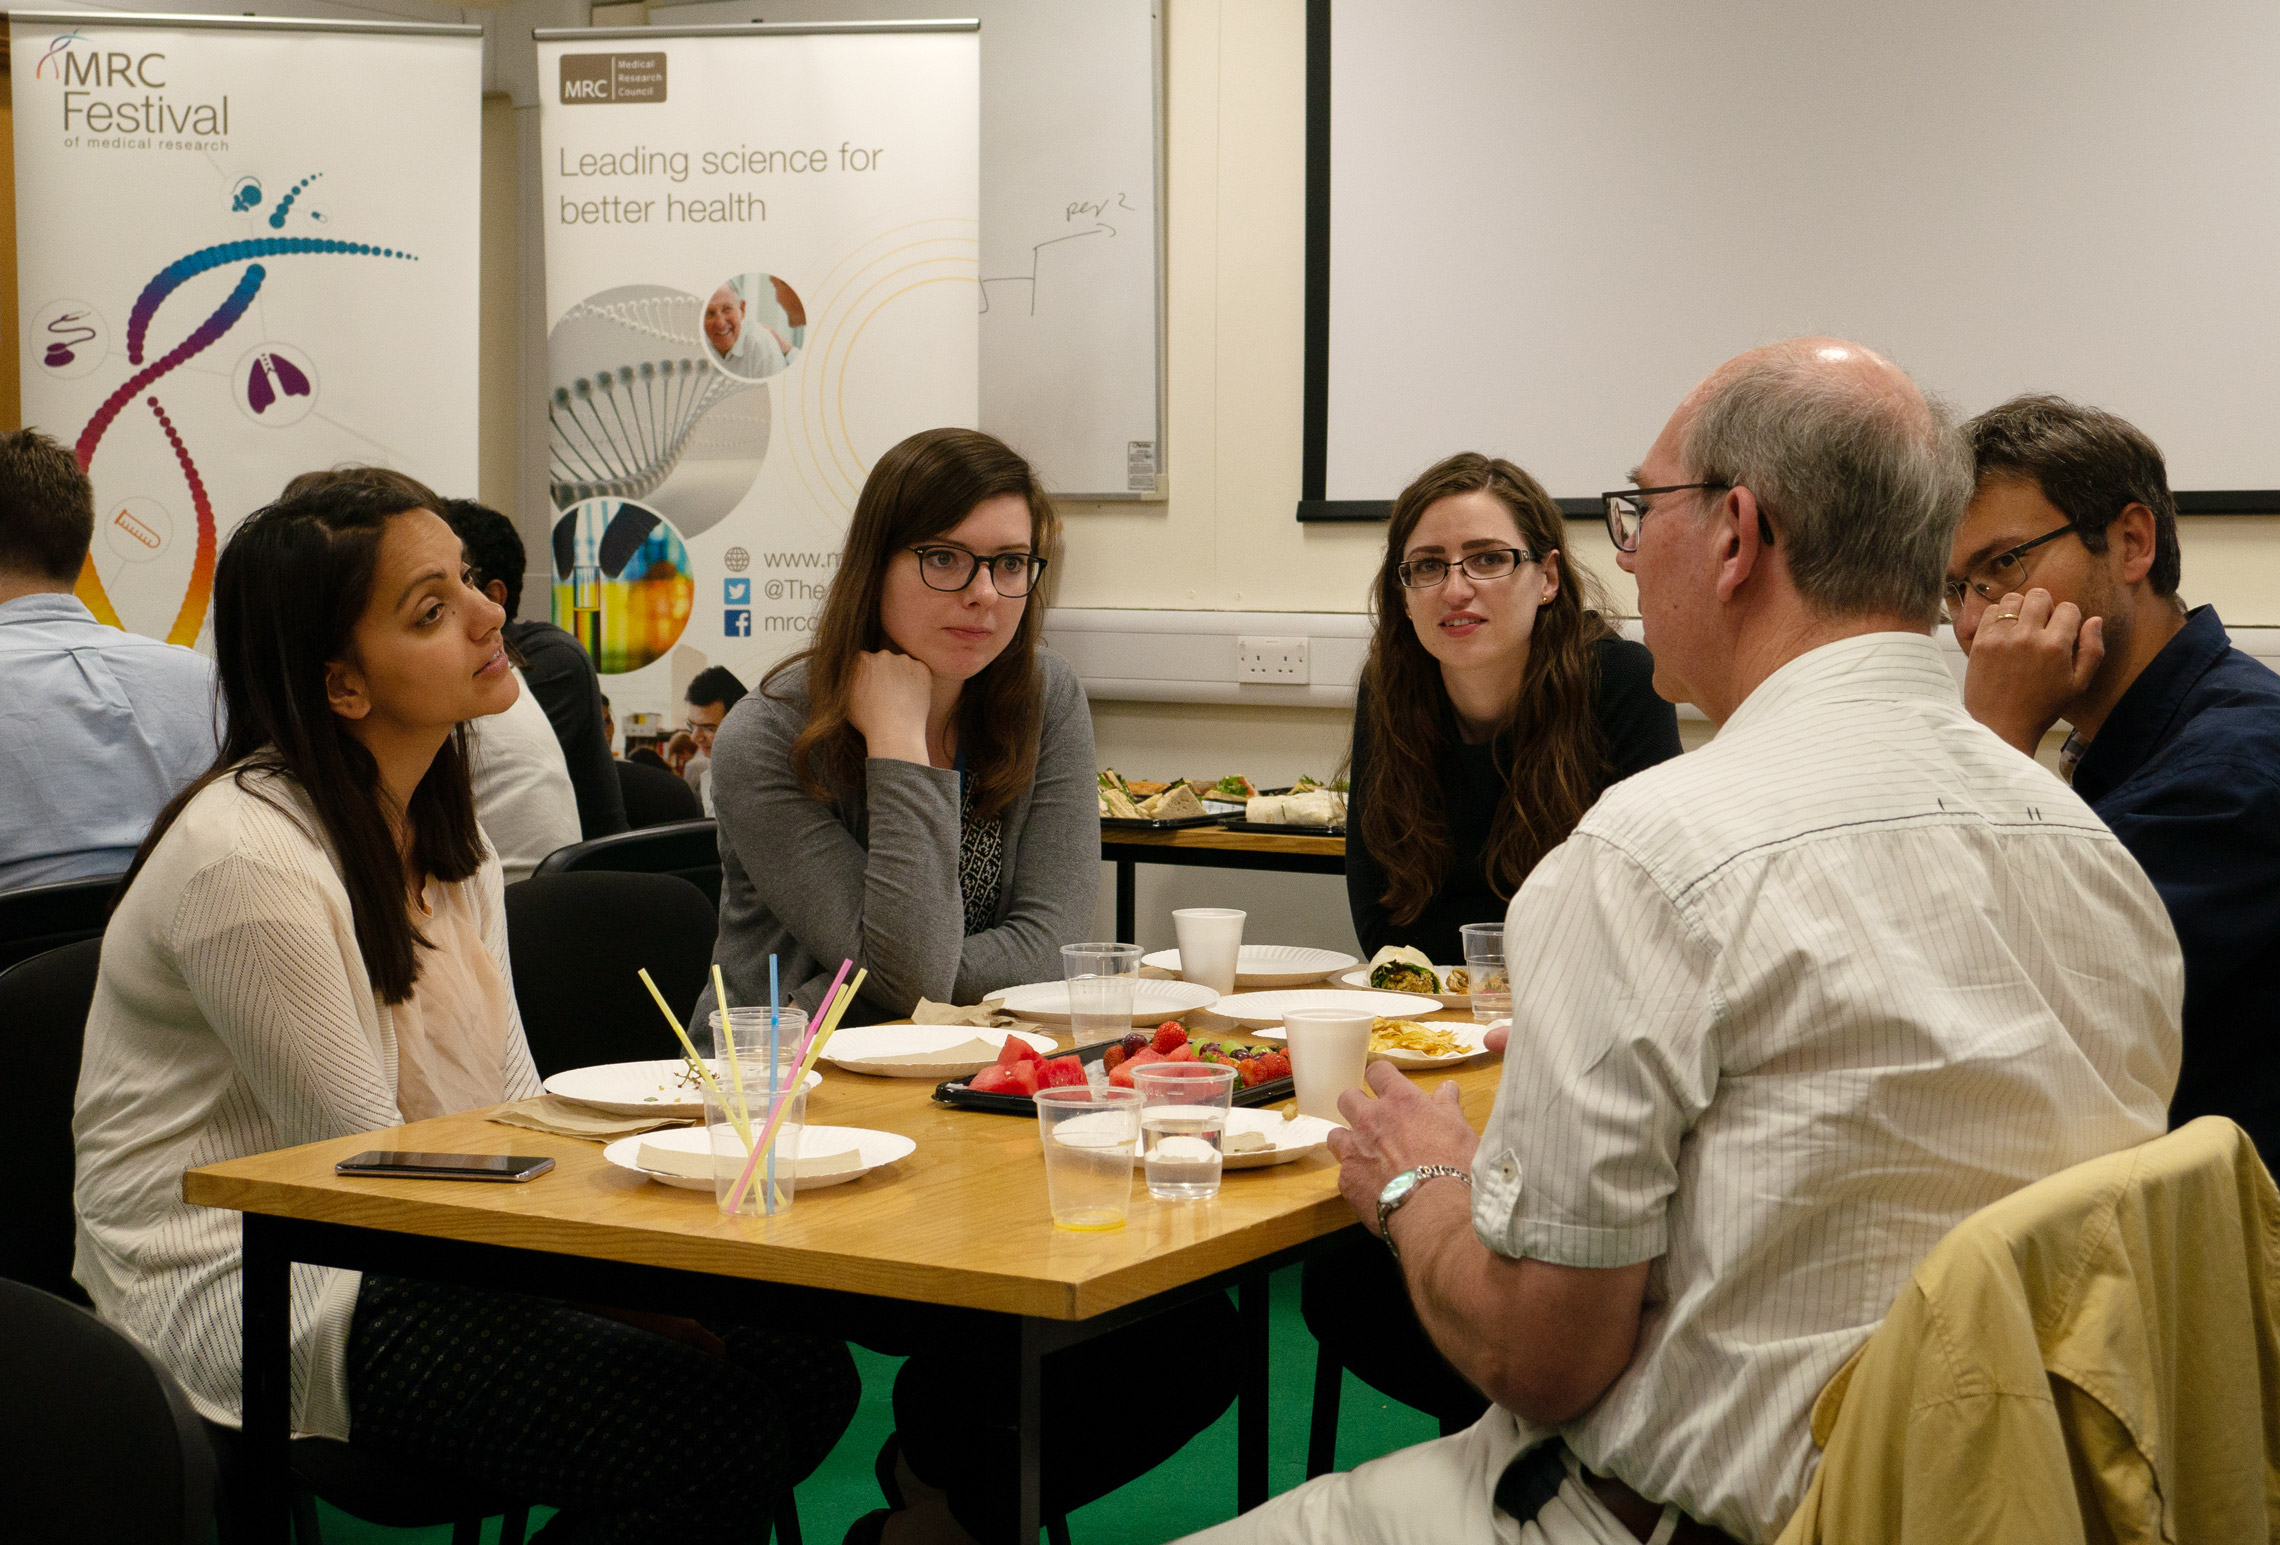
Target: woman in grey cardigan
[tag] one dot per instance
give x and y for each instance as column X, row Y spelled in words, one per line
column 916, row 791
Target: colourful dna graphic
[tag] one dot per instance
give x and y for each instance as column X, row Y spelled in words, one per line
column 202, row 337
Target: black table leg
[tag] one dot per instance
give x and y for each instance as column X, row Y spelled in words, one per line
column 1034, row 1338
column 1127, row 903
column 267, row 1412
column 1251, row 1394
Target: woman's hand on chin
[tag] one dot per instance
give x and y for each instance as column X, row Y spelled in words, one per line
column 888, row 704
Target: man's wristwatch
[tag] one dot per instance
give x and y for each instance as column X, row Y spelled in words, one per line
column 1402, row 1187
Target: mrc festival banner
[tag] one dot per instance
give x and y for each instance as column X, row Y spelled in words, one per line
column 761, row 249
column 245, row 249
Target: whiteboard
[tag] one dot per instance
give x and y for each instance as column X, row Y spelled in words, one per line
column 1071, row 225
column 1549, row 218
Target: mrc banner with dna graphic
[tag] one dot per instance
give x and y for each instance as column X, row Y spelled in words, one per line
column 244, row 250
column 760, row 274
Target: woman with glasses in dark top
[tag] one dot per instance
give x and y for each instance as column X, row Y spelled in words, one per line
column 1496, row 704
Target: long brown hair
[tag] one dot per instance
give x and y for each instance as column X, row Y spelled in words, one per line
column 288, row 590
column 1549, row 750
column 920, row 489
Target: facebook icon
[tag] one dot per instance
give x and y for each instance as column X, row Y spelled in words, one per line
column 736, row 592
column 738, row 624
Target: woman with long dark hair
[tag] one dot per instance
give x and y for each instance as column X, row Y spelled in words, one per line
column 915, row 791
column 1495, row 706
column 312, row 944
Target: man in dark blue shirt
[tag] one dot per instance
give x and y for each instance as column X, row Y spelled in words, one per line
column 2062, row 586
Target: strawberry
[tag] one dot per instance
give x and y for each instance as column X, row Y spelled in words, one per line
column 1169, row 1034
column 1272, row 1064
column 1114, row 1057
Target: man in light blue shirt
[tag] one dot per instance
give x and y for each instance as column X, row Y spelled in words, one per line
column 98, row 728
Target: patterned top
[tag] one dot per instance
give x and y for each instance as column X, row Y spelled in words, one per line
column 981, row 861
column 1795, row 1005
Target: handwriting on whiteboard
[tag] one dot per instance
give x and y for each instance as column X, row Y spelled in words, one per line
column 1095, row 211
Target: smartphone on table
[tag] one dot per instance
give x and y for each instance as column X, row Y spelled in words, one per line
column 445, row 1166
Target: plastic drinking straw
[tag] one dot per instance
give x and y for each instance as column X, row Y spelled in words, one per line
column 823, row 1008
column 815, row 1050
column 775, row 1065
column 688, row 1048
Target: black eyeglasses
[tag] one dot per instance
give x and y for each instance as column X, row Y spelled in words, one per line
column 1488, row 563
column 952, row 569
column 1994, row 578
column 1627, row 508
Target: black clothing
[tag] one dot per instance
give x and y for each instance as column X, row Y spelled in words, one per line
column 2186, row 770
column 655, row 795
column 1637, row 729
column 562, row 678
column 1356, row 1303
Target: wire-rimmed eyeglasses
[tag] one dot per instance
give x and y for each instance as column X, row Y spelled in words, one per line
column 1486, row 564
column 952, row 569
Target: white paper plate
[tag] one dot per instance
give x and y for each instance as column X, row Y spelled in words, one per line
column 664, row 1087
column 1153, row 1000
column 874, row 1148
column 1295, row 1137
column 1471, row 1035
column 1447, row 1000
column 1269, row 965
column 1265, row 1010
column 885, row 1051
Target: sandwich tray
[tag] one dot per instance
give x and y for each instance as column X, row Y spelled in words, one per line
column 1238, row 824
column 1125, row 823
column 956, row 1095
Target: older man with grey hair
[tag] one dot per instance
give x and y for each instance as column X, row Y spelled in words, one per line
column 1785, row 1010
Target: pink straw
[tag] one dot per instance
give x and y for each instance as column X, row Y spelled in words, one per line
column 822, row 1010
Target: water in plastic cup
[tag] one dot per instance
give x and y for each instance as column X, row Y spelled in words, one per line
column 1484, row 961
column 1103, row 981
column 1211, row 945
column 1328, row 1051
column 1089, row 1137
column 1183, row 1122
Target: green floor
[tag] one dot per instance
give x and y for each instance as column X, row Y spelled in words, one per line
column 1196, row 1488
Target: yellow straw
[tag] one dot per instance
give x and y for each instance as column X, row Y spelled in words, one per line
column 743, row 1113
column 688, row 1048
column 830, row 1024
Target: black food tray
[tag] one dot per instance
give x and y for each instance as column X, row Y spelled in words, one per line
column 956, row 1095
column 1236, row 823
column 1125, row 823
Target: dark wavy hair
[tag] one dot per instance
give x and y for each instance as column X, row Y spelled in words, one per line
column 288, row 590
column 1550, row 752
column 920, row 489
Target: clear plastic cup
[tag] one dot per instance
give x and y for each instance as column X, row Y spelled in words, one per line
column 1089, row 1137
column 767, row 1186
column 1104, row 980
column 1329, row 1050
column 1183, row 1123
column 1484, row 962
column 1211, row 945
column 749, row 1029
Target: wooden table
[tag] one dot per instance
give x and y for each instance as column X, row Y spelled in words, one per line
column 963, row 1221
column 1213, row 846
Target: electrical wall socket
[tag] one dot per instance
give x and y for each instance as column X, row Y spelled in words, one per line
column 1278, row 660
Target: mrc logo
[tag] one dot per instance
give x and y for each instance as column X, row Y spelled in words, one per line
column 91, row 67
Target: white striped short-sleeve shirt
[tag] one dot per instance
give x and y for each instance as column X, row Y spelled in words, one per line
column 1786, row 1010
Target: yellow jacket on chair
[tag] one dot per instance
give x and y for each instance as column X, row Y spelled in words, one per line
column 2095, row 1358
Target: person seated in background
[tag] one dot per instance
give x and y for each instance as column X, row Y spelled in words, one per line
column 712, row 692
column 1494, row 707
column 98, row 728
column 2063, row 589
column 313, row 944
column 1785, row 1009
column 916, row 792
column 554, row 666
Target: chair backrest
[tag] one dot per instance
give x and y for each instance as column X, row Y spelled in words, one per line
column 97, row 1441
column 577, row 941
column 43, row 1018
column 690, row 849
column 44, row 917
column 656, row 796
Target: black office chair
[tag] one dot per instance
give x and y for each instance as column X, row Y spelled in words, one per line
column 690, row 849
column 656, row 796
column 97, row 1441
column 1349, row 1297
column 46, row 917
column 577, row 941
column 43, row 1007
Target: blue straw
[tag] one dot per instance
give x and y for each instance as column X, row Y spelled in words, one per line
column 775, row 1072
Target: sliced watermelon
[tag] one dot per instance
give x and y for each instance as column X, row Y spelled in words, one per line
column 1017, row 1050
column 992, row 1080
column 1060, row 1073
column 1022, row 1077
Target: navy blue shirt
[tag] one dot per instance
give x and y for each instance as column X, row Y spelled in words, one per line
column 2186, row 770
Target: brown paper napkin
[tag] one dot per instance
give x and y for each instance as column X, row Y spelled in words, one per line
column 981, row 1015
column 564, row 1119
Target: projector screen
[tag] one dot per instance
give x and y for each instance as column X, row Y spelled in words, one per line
column 1533, row 224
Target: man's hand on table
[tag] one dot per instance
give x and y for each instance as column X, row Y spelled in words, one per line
column 1400, row 1129
column 2028, row 660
